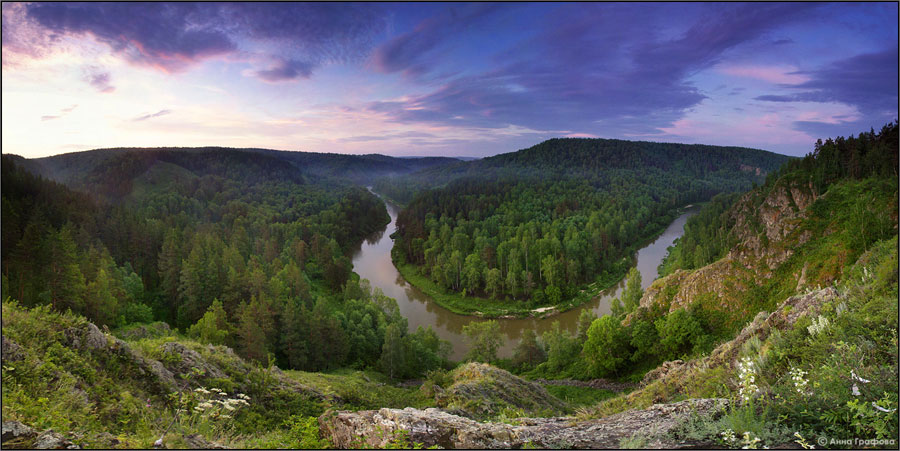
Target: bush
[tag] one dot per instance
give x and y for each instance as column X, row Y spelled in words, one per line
column 607, row 347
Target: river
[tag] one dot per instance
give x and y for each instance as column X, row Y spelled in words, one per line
column 373, row 261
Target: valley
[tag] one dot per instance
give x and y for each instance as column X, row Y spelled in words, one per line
column 373, row 262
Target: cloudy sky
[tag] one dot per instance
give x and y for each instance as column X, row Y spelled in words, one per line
column 442, row 79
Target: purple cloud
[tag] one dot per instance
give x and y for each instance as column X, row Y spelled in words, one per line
column 100, row 81
column 165, row 35
column 173, row 36
column 286, row 71
column 61, row 113
column 867, row 81
column 412, row 52
column 590, row 72
column 152, row 115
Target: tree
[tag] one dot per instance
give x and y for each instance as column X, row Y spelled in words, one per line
column 562, row 348
column 493, row 282
column 528, row 352
column 485, row 339
column 678, row 332
column 644, row 339
column 213, row 327
column 631, row 296
column 585, row 319
column 65, row 282
column 607, row 347
column 393, row 352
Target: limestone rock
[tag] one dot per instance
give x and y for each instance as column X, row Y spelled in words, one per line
column 10, row 350
column 86, row 337
column 154, row 330
column 434, row 427
column 16, row 433
column 482, row 391
column 190, row 359
column 661, row 371
column 53, row 440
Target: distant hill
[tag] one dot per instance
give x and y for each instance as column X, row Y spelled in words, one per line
column 116, row 173
column 571, row 157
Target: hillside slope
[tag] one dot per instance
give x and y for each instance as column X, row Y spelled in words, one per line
column 62, row 373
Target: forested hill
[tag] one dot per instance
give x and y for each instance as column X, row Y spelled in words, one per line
column 113, row 173
column 581, row 157
column 535, row 227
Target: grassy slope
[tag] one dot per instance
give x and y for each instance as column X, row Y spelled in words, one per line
column 88, row 393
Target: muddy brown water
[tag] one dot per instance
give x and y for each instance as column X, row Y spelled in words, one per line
column 373, row 262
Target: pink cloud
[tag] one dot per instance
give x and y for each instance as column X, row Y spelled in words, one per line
column 581, row 135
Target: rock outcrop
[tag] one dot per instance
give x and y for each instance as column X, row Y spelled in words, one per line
column 20, row 436
column 482, row 391
column 10, row 350
column 766, row 231
column 433, row 427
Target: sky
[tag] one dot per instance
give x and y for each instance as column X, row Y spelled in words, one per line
column 454, row 79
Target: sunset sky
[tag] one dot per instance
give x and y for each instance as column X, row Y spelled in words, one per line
column 442, row 79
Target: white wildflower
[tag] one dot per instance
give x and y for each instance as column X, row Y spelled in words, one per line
column 818, row 325
column 728, row 436
column 751, row 443
column 882, row 409
column 215, row 390
column 855, row 390
column 747, row 378
column 202, row 390
column 857, row 378
column 243, row 396
column 799, row 378
column 205, row 405
column 802, row 441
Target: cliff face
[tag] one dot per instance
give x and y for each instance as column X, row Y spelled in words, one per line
column 768, row 229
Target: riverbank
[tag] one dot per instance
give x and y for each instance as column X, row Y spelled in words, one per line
column 480, row 307
column 501, row 308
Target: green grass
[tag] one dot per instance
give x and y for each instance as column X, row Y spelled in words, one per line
column 579, row 396
column 358, row 393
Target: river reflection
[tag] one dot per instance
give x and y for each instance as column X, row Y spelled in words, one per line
column 373, row 262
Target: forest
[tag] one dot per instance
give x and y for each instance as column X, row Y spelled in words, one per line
column 536, row 226
column 232, row 247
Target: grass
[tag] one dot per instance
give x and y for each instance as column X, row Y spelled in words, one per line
column 362, row 390
column 579, row 396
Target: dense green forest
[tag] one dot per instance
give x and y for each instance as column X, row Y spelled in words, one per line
column 537, row 225
column 233, row 247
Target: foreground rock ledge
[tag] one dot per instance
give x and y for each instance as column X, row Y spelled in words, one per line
column 377, row 428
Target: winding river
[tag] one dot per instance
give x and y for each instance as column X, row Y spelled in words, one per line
column 373, row 261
